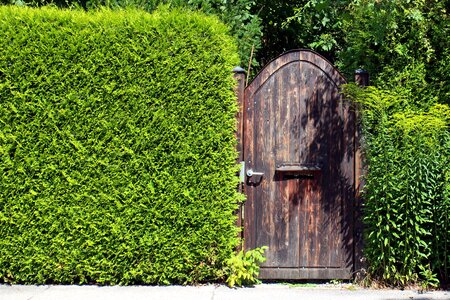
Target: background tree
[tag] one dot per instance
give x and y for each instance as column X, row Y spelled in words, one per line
column 292, row 24
column 400, row 43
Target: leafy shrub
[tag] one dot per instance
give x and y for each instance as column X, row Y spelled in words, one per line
column 117, row 159
column 243, row 268
column 406, row 187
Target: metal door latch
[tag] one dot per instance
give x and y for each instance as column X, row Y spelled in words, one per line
column 251, row 173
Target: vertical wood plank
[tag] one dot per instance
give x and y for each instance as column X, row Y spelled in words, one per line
column 249, row 210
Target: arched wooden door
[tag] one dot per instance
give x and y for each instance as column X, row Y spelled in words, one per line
column 300, row 135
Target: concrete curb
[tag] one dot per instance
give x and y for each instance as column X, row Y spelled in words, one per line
column 211, row 292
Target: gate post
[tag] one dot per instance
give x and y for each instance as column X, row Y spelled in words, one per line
column 361, row 79
column 239, row 75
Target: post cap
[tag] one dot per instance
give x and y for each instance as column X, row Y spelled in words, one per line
column 238, row 70
column 361, row 71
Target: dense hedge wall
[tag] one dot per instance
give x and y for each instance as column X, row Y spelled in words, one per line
column 117, row 158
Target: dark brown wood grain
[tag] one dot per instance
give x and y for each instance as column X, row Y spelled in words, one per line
column 294, row 116
column 304, row 273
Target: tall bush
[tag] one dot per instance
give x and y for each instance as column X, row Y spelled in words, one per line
column 406, row 188
column 117, row 159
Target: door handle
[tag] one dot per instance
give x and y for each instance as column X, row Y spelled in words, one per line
column 251, row 173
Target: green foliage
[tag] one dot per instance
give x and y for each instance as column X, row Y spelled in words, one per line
column 117, row 148
column 321, row 22
column 276, row 39
column 405, row 47
column 244, row 25
column 399, row 40
column 394, row 41
column 387, row 33
column 243, row 268
column 409, row 83
column 390, row 39
column 406, row 187
column 292, row 24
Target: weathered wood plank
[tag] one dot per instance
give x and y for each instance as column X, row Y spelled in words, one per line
column 249, row 211
column 304, row 273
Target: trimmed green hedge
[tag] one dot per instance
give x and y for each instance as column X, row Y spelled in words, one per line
column 117, row 158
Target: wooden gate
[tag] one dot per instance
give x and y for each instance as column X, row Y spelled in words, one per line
column 298, row 149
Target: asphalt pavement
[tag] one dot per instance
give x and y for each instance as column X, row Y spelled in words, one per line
column 213, row 292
